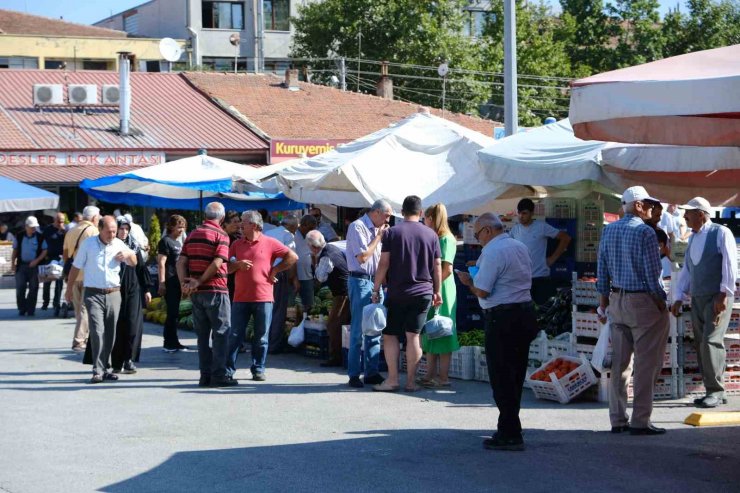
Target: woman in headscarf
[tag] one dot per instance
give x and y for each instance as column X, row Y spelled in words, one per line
column 135, row 295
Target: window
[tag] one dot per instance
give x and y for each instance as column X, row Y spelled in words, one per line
column 131, row 22
column 94, row 65
column 19, row 62
column 223, row 15
column 55, row 64
column 276, row 14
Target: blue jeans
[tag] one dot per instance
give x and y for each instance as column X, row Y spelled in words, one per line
column 212, row 322
column 241, row 312
column 360, row 292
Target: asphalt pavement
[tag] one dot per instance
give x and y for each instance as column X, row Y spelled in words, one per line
column 304, row 429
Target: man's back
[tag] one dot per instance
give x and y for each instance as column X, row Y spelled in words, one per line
column 201, row 247
column 413, row 248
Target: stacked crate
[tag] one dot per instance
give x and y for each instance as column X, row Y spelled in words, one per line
column 590, row 224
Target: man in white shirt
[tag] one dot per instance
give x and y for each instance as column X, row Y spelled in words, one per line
column 324, row 227
column 534, row 234
column 502, row 286
column 708, row 275
column 304, row 267
column 282, row 289
column 100, row 258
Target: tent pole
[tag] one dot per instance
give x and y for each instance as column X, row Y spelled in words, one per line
column 200, row 206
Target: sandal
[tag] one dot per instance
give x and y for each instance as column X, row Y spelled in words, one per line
column 96, row 379
column 424, row 381
column 110, row 376
column 384, row 387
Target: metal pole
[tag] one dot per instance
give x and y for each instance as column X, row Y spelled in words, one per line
column 343, row 73
column 510, row 87
column 236, row 56
column 444, row 91
column 359, row 55
column 124, row 90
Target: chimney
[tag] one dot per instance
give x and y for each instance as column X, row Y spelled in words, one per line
column 384, row 89
column 291, row 79
column 124, row 87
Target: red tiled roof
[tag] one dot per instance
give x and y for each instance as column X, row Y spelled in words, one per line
column 61, row 174
column 314, row 112
column 12, row 22
column 167, row 114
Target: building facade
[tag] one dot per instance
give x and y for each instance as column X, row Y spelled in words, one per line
column 222, row 34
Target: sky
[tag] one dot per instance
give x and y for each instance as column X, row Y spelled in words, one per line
column 89, row 11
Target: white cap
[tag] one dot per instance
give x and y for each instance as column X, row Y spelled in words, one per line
column 633, row 194
column 32, row 222
column 697, row 203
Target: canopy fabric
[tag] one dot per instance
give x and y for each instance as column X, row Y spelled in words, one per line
column 422, row 155
column 552, row 157
column 17, row 197
column 683, row 100
column 187, row 184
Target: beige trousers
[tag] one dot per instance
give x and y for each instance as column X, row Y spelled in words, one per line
column 82, row 330
column 637, row 326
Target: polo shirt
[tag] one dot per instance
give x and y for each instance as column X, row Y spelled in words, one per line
column 207, row 243
column 253, row 285
column 535, row 236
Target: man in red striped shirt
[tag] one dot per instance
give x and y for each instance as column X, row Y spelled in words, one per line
column 202, row 271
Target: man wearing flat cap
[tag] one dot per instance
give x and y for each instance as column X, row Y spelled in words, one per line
column 630, row 285
column 708, row 275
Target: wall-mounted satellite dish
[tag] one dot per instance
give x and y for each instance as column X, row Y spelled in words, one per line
column 235, row 39
column 170, row 49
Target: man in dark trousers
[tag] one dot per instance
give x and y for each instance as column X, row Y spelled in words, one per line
column 29, row 250
column 502, row 286
column 54, row 237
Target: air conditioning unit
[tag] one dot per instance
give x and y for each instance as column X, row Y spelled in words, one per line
column 111, row 94
column 47, row 94
column 80, row 94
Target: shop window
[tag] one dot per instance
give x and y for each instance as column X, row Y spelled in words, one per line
column 223, row 15
column 19, row 62
column 276, row 14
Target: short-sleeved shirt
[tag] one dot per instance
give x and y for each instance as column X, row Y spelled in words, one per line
column 171, row 249
column 284, row 236
column 359, row 236
column 504, row 272
column 305, row 262
column 207, row 243
column 30, row 249
column 98, row 260
column 413, row 249
column 54, row 241
column 253, row 285
column 75, row 236
column 535, row 238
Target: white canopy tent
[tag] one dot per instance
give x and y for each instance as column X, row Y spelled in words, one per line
column 421, row 155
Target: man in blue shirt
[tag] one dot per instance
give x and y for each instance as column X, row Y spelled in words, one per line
column 29, row 250
column 630, row 286
column 502, row 286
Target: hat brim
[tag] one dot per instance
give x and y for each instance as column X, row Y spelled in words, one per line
column 688, row 207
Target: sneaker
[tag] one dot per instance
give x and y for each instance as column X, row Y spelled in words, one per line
column 355, row 382
column 508, row 444
column 258, row 377
column 182, row 348
column 129, row 368
column 224, row 382
column 170, row 349
column 376, row 379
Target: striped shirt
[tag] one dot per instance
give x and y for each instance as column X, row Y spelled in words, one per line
column 207, row 243
column 629, row 258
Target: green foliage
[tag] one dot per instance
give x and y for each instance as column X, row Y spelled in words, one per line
column 709, row 24
column 155, row 234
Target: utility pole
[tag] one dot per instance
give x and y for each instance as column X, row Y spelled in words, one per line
column 511, row 103
column 343, row 74
column 359, row 55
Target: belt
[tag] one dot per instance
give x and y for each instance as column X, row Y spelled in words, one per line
column 361, row 275
column 508, row 306
column 103, row 290
column 628, row 291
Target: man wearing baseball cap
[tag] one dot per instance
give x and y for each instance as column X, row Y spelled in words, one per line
column 29, row 250
column 708, row 275
column 629, row 283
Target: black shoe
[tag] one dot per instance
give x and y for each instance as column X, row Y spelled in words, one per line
column 129, row 368
column 64, row 312
column 224, row 382
column 21, row 313
column 30, row 314
column 376, row 379
column 258, row 377
column 355, row 382
column 180, row 347
column 171, row 349
column 650, row 430
column 330, row 364
column 56, row 312
column 205, row 381
column 110, row 377
column 498, row 443
column 710, row 401
column 116, row 370
column 620, row 429
column 44, row 307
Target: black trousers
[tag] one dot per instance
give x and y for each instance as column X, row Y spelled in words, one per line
column 26, row 288
column 57, row 293
column 542, row 289
column 172, row 297
column 508, row 336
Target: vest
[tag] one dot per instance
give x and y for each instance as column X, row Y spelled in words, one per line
column 338, row 277
column 706, row 276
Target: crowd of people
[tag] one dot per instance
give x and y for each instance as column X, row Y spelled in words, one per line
column 240, row 271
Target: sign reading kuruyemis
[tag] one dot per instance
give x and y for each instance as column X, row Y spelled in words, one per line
column 91, row 158
column 292, row 148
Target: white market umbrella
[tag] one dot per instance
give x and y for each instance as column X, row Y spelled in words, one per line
column 691, row 99
column 17, row 197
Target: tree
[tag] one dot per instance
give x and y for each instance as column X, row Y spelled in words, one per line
column 586, row 32
column 399, row 31
column 708, row 25
column 639, row 38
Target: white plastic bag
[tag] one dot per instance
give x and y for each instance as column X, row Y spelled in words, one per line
column 438, row 326
column 297, row 334
column 602, row 357
column 373, row 319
